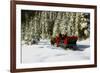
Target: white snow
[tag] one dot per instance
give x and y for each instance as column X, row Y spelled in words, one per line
column 44, row 52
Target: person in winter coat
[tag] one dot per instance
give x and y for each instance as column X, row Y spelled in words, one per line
column 65, row 40
column 57, row 39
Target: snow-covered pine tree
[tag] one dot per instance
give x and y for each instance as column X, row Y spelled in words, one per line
column 44, row 24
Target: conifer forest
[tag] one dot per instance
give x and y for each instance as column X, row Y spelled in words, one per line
column 46, row 24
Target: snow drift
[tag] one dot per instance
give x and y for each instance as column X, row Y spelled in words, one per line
column 45, row 52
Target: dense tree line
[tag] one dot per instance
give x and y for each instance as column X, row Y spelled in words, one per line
column 44, row 24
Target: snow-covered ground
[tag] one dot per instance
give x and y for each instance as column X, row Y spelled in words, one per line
column 44, row 52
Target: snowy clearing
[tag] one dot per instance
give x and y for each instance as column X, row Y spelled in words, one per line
column 44, row 52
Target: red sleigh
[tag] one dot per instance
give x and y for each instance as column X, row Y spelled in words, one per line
column 67, row 42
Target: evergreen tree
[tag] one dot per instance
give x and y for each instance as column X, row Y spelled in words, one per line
column 44, row 24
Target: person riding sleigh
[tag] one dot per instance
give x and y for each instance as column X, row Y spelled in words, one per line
column 61, row 40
